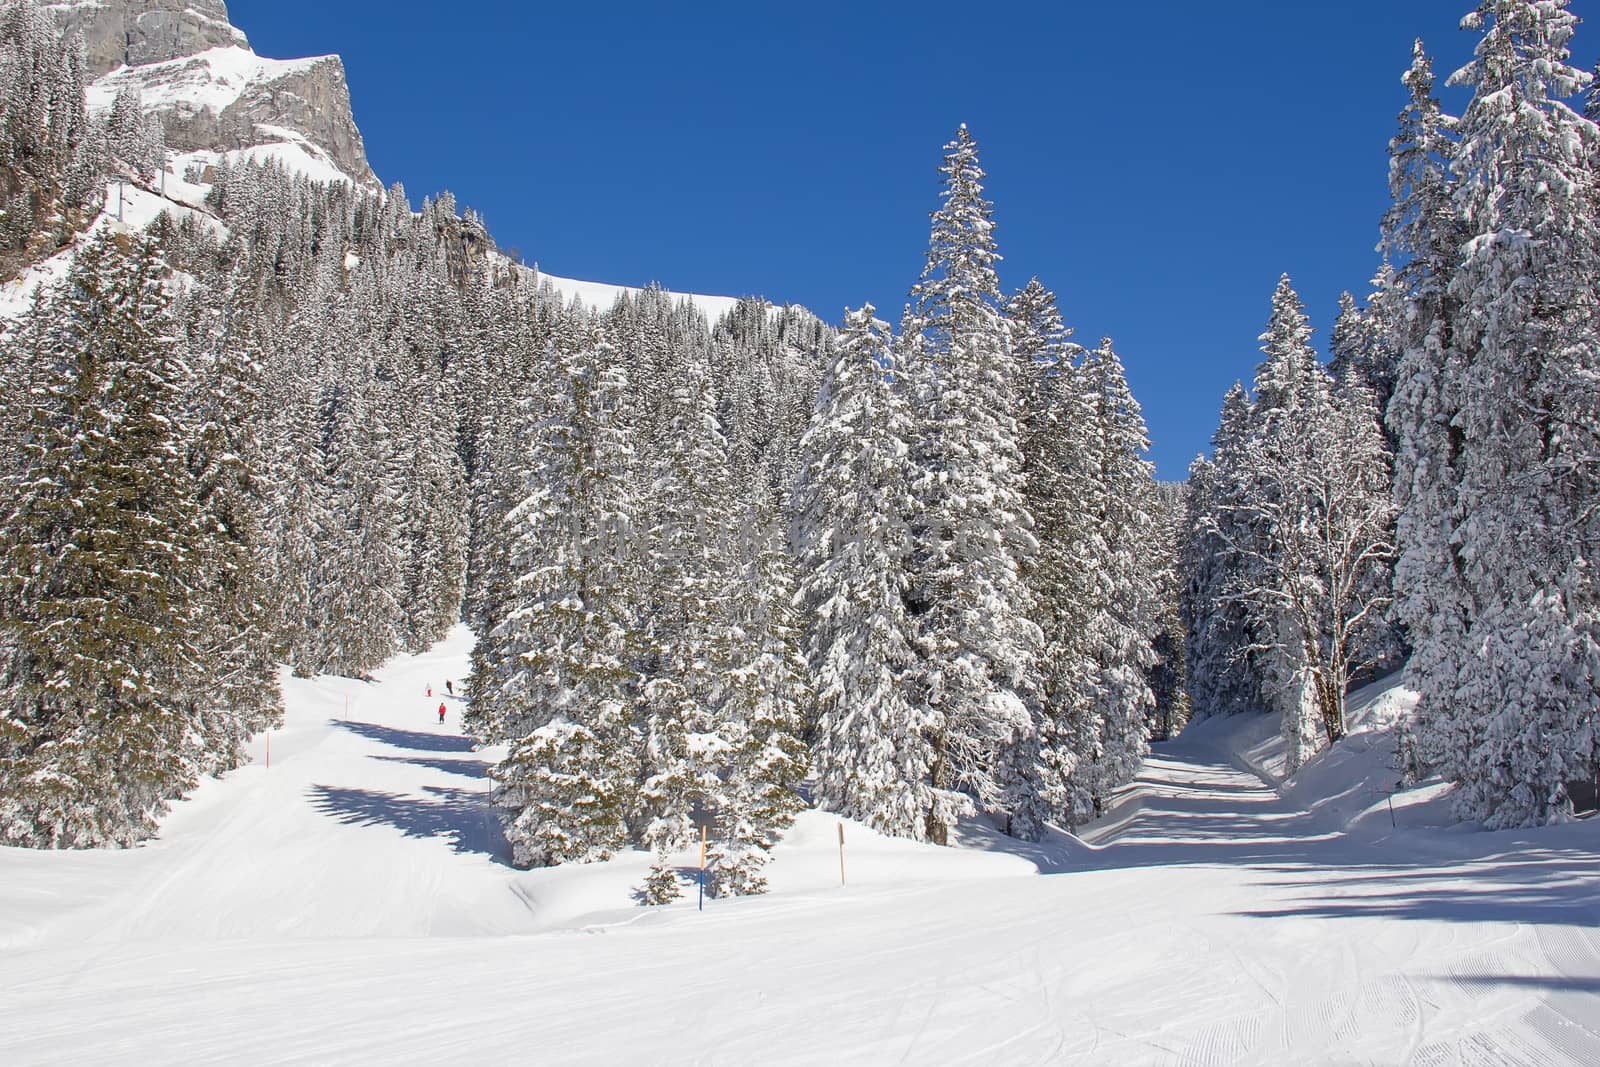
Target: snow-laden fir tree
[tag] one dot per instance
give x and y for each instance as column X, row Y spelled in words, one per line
column 874, row 741
column 1169, row 675
column 102, row 565
column 767, row 690
column 688, row 632
column 224, row 423
column 1224, row 675
column 1123, row 626
column 1065, row 497
column 1296, row 507
column 570, row 782
column 1423, row 233
column 971, row 524
column 1363, row 345
column 1523, row 720
column 434, row 507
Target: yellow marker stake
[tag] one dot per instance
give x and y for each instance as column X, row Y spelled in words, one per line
column 702, row 904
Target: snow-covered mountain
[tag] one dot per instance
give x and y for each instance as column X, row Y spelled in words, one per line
column 215, row 96
column 218, row 100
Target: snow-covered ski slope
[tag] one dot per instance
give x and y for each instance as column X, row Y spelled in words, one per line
column 351, row 904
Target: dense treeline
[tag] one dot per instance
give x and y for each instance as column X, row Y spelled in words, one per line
column 929, row 568
column 53, row 156
column 1438, row 488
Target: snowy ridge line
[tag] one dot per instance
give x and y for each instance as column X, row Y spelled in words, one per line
column 212, row 81
column 601, row 296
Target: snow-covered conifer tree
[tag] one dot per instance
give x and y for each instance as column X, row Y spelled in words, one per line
column 101, row 561
column 973, row 532
column 1423, row 233
column 874, row 749
column 1524, row 343
column 1123, row 626
column 570, row 782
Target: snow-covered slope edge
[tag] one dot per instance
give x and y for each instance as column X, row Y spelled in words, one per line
column 129, row 206
column 600, row 296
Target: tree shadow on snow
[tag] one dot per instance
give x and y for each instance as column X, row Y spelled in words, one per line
column 1549, row 983
column 466, row 768
column 1198, row 823
column 460, row 817
column 1546, row 887
column 415, row 740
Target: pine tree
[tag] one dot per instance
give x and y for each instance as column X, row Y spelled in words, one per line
column 1224, row 672
column 224, row 428
column 690, row 631
column 101, row 555
column 570, row 784
column 874, row 749
column 766, row 689
column 972, row 528
column 1065, row 497
column 1423, row 232
column 1123, row 627
column 1524, row 339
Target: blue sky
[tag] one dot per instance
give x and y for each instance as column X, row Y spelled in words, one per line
column 1157, row 164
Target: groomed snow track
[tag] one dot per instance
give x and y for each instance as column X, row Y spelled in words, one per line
column 351, row 904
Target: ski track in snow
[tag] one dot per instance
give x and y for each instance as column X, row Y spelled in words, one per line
column 352, row 903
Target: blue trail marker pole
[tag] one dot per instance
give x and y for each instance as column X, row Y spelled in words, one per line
column 702, row 867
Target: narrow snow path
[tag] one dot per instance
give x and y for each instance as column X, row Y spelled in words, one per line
column 351, row 904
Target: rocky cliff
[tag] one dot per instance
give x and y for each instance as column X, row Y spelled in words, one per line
column 138, row 32
column 196, row 70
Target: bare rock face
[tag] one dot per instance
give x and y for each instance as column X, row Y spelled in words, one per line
column 133, row 33
column 314, row 102
column 197, row 72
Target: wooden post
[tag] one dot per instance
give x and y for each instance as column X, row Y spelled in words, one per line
column 841, row 852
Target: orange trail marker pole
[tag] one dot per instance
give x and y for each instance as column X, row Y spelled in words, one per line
column 841, row 852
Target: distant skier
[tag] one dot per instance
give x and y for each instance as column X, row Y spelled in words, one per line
column 430, row 689
column 441, row 713
column 448, row 684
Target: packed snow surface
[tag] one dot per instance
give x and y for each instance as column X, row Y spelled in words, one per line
column 351, row 903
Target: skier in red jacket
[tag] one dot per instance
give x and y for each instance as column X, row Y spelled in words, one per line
column 441, row 713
